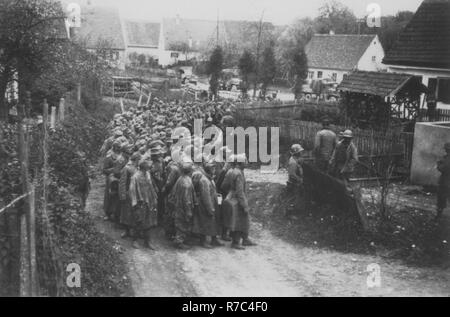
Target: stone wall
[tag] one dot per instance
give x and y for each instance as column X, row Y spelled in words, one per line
column 429, row 140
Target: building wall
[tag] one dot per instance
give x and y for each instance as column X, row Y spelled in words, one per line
column 147, row 51
column 326, row 74
column 426, row 74
column 429, row 139
column 372, row 59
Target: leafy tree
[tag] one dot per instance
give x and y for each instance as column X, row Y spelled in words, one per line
column 215, row 67
column 268, row 69
column 391, row 26
column 290, row 43
column 300, row 70
column 247, row 67
column 30, row 33
column 182, row 47
column 334, row 16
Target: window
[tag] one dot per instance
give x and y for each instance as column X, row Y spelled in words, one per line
column 174, row 55
column 319, row 75
column 374, row 58
column 334, row 77
column 440, row 88
column 310, row 75
column 443, row 90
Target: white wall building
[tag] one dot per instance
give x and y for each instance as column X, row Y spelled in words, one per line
column 334, row 56
column 423, row 49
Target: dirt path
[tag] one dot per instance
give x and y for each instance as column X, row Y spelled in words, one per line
column 274, row 268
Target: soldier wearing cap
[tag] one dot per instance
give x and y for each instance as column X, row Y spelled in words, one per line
column 236, row 205
column 184, row 204
column 126, row 214
column 324, row 145
column 295, row 184
column 204, row 218
column 443, row 194
column 157, row 172
column 344, row 158
column 144, row 201
column 112, row 166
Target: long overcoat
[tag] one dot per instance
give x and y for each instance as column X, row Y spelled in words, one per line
column 236, row 204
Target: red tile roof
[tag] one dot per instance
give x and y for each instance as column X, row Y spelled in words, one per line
column 425, row 42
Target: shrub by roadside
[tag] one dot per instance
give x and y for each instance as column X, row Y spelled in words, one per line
column 66, row 233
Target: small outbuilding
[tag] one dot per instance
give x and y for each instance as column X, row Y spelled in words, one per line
column 380, row 99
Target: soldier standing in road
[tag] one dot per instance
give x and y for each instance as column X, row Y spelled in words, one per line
column 184, row 195
column 145, row 203
column 237, row 203
column 126, row 212
column 443, row 194
column 295, row 181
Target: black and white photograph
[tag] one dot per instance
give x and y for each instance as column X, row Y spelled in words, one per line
column 224, row 154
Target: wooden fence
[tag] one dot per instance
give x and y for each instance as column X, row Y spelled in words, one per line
column 440, row 115
column 370, row 143
column 18, row 261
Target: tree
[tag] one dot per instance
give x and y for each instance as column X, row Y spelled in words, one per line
column 334, row 16
column 300, row 70
column 30, row 32
column 247, row 67
column 268, row 69
column 391, row 26
column 182, row 47
column 215, row 67
column 290, row 43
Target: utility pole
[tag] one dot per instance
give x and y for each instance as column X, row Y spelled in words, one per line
column 258, row 48
column 217, row 40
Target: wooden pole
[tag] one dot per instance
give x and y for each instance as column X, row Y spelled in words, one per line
column 28, row 104
column 122, row 107
column 32, row 244
column 78, row 94
column 53, row 118
column 62, row 110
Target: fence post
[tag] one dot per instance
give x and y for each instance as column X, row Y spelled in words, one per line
column 32, row 243
column 62, row 109
column 28, row 104
column 78, row 94
column 122, row 107
column 25, row 288
column 53, row 118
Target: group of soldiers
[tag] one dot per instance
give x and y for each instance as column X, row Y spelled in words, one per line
column 335, row 155
column 152, row 182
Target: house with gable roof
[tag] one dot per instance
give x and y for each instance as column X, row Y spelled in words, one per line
column 333, row 56
column 423, row 49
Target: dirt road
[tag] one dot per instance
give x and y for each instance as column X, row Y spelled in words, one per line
column 274, row 268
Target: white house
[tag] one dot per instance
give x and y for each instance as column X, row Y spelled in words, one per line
column 423, row 49
column 334, row 56
column 102, row 32
column 142, row 38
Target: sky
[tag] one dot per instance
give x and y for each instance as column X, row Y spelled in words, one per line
column 276, row 11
